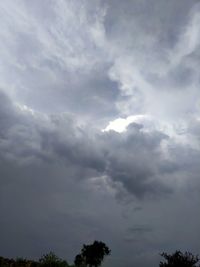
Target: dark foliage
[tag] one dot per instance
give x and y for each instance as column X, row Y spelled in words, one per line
column 79, row 260
column 19, row 262
column 179, row 259
column 51, row 260
column 48, row 260
column 92, row 255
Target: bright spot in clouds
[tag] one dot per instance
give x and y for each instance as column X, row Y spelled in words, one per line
column 120, row 125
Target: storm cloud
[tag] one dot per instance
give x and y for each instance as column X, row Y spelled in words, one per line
column 99, row 128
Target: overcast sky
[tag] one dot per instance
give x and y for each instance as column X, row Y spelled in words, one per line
column 100, row 128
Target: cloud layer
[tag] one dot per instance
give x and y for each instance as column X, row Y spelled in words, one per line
column 99, row 127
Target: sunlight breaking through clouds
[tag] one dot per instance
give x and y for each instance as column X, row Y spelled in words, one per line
column 120, row 125
column 99, row 127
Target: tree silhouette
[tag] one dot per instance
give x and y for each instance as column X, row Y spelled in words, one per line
column 51, row 260
column 79, row 260
column 92, row 255
column 179, row 259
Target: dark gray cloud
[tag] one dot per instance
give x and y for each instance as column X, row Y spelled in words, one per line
column 139, row 229
column 70, row 71
column 121, row 157
column 65, row 172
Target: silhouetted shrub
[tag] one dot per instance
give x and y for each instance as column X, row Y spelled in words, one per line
column 179, row 259
column 51, row 260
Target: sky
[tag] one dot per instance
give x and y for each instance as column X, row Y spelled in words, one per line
column 100, row 128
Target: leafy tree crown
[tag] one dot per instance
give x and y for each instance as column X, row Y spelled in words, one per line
column 92, row 255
